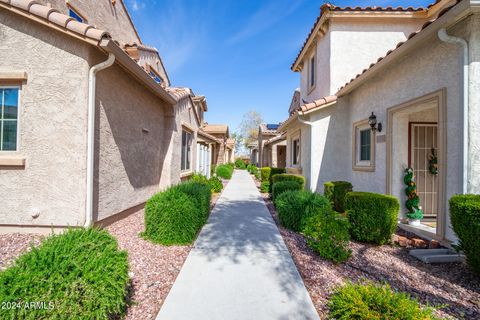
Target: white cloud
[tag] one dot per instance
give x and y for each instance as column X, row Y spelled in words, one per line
column 137, row 5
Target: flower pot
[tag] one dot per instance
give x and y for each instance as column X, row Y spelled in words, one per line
column 414, row 222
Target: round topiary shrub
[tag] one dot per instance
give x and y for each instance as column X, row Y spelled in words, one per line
column 335, row 192
column 224, row 171
column 265, row 174
column 373, row 217
column 240, row 164
column 216, row 184
column 79, row 273
column 201, row 194
column 465, row 217
column 289, row 177
column 282, row 186
column 373, row 301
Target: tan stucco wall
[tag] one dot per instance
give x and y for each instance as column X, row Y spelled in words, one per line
column 52, row 123
column 102, row 14
column 133, row 135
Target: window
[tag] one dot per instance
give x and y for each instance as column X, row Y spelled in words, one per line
column 364, row 147
column 186, row 150
column 296, row 151
column 155, row 76
column 75, row 15
column 9, row 118
column 312, row 68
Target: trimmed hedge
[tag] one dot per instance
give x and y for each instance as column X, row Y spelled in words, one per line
column 199, row 178
column 294, row 207
column 80, row 273
column 265, row 173
column 328, row 234
column 176, row 215
column 335, row 192
column 240, row 164
column 289, row 177
column 465, row 217
column 224, row 171
column 282, row 186
column 264, row 187
column 373, row 217
column 216, row 184
column 373, row 301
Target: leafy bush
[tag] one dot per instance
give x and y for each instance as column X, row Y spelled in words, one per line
column 176, row 215
column 240, row 164
column 289, row 177
column 335, row 192
column 282, row 186
column 328, row 234
column 215, row 184
column 372, row 301
column 373, row 217
column 273, row 173
column 264, row 187
column 257, row 174
column 224, row 171
column 81, row 272
column 465, row 217
column 199, row 178
column 294, row 207
column 265, row 173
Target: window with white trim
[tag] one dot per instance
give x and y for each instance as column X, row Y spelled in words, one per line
column 364, row 147
column 186, row 151
column 312, row 69
column 9, row 97
column 296, row 151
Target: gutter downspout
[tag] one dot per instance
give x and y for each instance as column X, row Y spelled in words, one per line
column 92, row 77
column 443, row 36
column 310, row 124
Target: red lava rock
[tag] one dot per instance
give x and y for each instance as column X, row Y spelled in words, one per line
column 402, row 241
column 419, row 243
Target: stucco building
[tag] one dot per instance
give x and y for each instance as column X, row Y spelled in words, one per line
column 383, row 89
column 224, row 150
column 90, row 125
column 272, row 146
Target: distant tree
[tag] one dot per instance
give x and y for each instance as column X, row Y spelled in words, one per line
column 248, row 129
column 238, row 141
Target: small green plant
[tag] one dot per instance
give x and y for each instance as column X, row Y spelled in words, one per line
column 280, row 177
column 465, row 217
column 282, row 186
column 240, row 164
column 372, row 301
column 264, row 187
column 216, row 184
column 80, row 272
column 199, row 178
column 335, row 192
column 265, row 174
column 273, row 173
column 328, row 234
column 373, row 217
column 224, row 171
column 294, row 207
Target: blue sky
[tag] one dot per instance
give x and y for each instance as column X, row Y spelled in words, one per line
column 235, row 52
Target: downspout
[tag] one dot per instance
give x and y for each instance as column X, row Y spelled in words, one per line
column 310, row 124
column 92, row 77
column 443, row 36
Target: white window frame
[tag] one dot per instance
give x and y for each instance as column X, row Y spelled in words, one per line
column 362, row 165
column 294, row 163
column 189, row 168
column 311, row 66
column 18, row 117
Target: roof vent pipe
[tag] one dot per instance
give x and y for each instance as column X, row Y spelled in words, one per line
column 442, row 35
column 92, row 78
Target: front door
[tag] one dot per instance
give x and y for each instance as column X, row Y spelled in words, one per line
column 423, row 151
column 281, row 156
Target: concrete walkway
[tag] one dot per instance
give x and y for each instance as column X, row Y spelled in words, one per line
column 239, row 267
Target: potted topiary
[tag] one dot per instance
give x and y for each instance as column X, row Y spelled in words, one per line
column 415, row 213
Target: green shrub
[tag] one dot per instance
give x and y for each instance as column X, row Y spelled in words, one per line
column 215, row 184
column 372, row 301
column 294, row 207
column 240, row 164
column 176, row 215
column 289, row 177
column 465, row 217
column 224, row 171
column 257, row 175
column 282, row 186
column 273, row 173
column 199, row 178
column 373, row 217
column 328, row 234
column 265, row 173
column 264, row 187
column 335, row 192
column 81, row 272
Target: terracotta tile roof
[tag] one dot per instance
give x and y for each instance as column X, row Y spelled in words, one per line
column 53, row 16
column 275, row 139
column 267, row 128
column 215, row 128
column 179, row 93
column 209, row 136
column 324, row 9
column 412, row 35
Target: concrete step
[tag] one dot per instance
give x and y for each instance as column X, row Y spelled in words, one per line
column 437, row 255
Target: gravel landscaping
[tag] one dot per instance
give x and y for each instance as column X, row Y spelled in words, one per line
column 13, row 245
column 452, row 286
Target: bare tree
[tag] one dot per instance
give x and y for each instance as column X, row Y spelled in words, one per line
column 248, row 128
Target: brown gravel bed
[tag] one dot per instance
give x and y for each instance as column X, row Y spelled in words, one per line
column 13, row 245
column 450, row 285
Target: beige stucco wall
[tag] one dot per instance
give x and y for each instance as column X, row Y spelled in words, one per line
column 133, row 135
column 52, row 123
column 102, row 14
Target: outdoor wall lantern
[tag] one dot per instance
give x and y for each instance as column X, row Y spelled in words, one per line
column 372, row 121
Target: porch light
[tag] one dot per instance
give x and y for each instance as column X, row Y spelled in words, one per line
column 372, row 121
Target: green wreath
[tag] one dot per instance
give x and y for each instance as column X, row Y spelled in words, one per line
column 413, row 201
